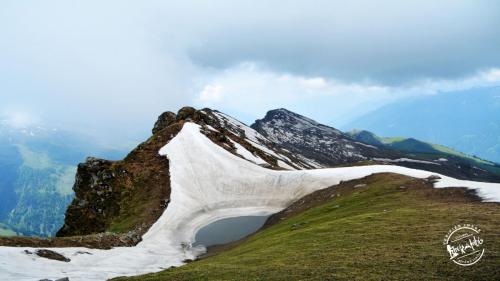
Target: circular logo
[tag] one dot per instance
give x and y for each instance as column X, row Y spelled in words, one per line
column 464, row 244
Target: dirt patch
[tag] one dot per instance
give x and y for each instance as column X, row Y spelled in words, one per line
column 94, row 241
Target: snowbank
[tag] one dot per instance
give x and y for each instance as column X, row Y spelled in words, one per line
column 208, row 183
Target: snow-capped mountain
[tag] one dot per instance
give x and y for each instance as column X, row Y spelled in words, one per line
column 199, row 166
column 321, row 144
column 318, row 145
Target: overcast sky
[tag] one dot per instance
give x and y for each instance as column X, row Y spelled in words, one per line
column 111, row 67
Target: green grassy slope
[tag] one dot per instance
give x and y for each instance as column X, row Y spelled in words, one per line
column 424, row 150
column 391, row 229
column 5, row 231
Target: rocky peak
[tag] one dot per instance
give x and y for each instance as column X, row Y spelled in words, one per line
column 164, row 120
column 323, row 145
column 279, row 125
column 186, row 113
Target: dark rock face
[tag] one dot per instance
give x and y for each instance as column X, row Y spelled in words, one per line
column 95, row 198
column 186, row 113
column 164, row 120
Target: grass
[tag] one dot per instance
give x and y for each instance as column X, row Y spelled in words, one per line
column 450, row 151
column 6, row 232
column 377, row 232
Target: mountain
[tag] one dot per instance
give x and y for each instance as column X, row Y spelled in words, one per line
column 37, row 170
column 141, row 214
column 319, row 145
column 467, row 121
column 425, row 150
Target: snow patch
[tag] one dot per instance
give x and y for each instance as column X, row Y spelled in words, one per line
column 405, row 160
column 243, row 152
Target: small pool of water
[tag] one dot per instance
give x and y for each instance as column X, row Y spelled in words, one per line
column 228, row 230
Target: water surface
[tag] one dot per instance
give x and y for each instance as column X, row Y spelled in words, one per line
column 228, row 230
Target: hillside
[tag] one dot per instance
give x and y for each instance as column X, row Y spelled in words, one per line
column 37, row 171
column 319, row 145
column 425, row 150
column 381, row 227
column 467, row 121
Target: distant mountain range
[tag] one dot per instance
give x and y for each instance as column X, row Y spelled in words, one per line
column 467, row 121
column 37, row 172
column 319, row 146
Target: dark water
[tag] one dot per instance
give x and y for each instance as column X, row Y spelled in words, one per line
column 227, row 230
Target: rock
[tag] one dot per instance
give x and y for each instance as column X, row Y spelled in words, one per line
column 164, row 120
column 63, row 279
column 360, row 185
column 164, row 203
column 95, row 198
column 186, row 113
column 48, row 254
column 296, row 226
column 433, row 178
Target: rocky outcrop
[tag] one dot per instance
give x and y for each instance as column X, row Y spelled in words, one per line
column 51, row 255
column 96, row 199
column 126, row 196
column 164, row 120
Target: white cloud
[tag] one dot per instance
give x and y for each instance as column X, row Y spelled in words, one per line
column 492, row 76
column 315, row 83
column 19, row 119
column 252, row 90
column 211, row 94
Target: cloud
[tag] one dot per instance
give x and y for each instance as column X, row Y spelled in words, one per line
column 391, row 42
column 111, row 67
column 18, row 118
column 210, row 94
column 251, row 90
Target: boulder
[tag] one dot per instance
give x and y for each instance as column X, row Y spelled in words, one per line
column 164, row 120
column 186, row 113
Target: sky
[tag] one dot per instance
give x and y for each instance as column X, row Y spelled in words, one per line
column 109, row 68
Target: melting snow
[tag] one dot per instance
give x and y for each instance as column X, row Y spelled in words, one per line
column 208, row 184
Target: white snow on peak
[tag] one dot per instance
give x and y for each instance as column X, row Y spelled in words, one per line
column 243, row 152
column 208, row 183
column 250, row 133
column 252, row 137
